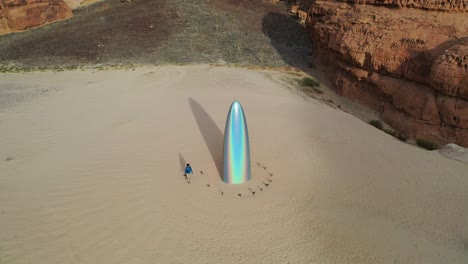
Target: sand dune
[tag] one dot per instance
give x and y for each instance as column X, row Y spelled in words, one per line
column 90, row 172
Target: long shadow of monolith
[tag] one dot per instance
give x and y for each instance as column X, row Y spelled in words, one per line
column 211, row 134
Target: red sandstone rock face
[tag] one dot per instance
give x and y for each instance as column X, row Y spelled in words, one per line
column 449, row 71
column 450, row 5
column 411, row 65
column 4, row 28
column 24, row 14
column 453, row 111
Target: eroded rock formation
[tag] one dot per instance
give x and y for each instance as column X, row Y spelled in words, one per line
column 16, row 15
column 409, row 64
column 73, row 4
column 444, row 5
column 4, row 28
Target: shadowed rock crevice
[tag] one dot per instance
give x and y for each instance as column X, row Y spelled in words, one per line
column 289, row 37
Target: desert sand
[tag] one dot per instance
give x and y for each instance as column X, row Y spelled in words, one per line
column 91, row 172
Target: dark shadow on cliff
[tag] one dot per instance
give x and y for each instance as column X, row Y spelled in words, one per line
column 289, row 37
column 419, row 66
column 212, row 135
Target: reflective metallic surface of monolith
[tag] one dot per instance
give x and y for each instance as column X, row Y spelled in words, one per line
column 236, row 147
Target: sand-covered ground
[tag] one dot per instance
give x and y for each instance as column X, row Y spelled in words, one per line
column 90, row 172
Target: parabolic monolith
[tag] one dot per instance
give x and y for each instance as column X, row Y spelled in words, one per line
column 236, row 146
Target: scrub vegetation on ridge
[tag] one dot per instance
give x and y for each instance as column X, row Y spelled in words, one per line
column 148, row 32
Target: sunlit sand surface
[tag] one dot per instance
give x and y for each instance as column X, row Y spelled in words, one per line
column 91, row 172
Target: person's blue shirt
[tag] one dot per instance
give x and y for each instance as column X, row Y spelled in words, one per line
column 188, row 169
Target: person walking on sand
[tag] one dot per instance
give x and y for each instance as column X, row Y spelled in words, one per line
column 188, row 171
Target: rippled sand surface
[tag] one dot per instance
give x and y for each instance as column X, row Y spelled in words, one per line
column 91, row 172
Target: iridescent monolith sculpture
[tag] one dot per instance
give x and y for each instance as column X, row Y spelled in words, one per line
column 236, row 147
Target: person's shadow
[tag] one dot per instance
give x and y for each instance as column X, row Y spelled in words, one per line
column 182, row 164
column 211, row 134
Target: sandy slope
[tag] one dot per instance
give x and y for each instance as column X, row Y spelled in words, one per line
column 90, row 172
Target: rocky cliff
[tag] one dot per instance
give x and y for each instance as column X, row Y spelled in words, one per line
column 409, row 64
column 450, row 5
column 16, row 15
